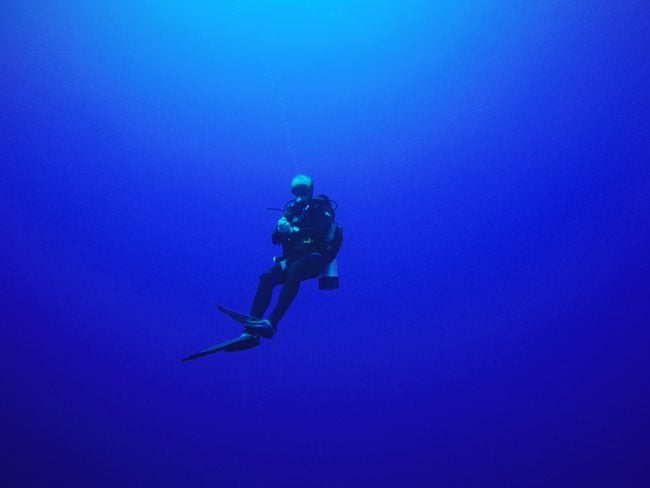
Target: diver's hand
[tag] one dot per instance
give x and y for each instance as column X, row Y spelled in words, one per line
column 284, row 227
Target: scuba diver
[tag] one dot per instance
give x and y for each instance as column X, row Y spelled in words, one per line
column 310, row 240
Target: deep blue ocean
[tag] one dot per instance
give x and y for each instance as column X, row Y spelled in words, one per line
column 490, row 161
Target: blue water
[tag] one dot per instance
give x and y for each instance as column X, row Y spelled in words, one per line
column 490, row 161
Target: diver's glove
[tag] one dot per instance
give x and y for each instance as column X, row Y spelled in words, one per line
column 284, row 227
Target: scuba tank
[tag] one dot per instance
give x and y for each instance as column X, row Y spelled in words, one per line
column 329, row 279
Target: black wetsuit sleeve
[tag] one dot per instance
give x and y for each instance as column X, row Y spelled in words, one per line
column 277, row 237
column 318, row 229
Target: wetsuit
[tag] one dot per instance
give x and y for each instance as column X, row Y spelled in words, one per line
column 306, row 254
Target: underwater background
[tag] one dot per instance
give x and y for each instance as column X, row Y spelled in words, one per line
column 490, row 163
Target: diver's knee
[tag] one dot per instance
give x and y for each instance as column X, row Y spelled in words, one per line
column 295, row 275
column 266, row 278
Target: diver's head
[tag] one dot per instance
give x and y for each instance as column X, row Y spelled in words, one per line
column 302, row 188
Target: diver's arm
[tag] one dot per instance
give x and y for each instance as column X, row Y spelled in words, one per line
column 319, row 229
column 278, row 237
column 282, row 231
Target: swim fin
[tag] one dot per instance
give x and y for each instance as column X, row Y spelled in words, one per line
column 262, row 327
column 236, row 316
column 241, row 343
column 252, row 324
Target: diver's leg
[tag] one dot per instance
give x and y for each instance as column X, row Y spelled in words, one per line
column 267, row 281
column 304, row 268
